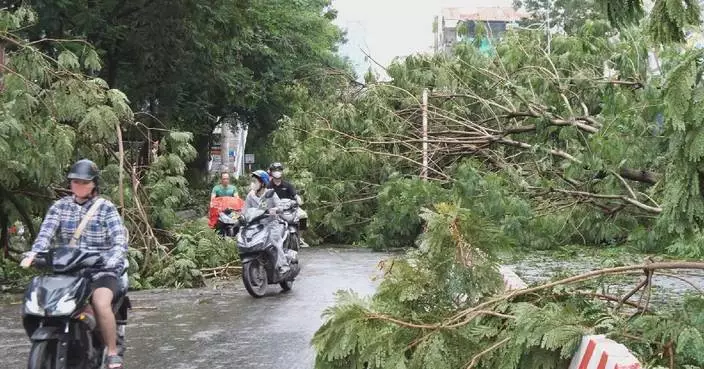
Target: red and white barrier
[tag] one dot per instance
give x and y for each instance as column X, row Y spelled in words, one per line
column 595, row 351
column 599, row 352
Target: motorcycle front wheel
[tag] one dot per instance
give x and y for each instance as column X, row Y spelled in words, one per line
column 293, row 242
column 286, row 285
column 254, row 278
column 42, row 355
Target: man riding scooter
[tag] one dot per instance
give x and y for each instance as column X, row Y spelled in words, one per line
column 285, row 190
column 223, row 202
column 225, row 188
column 103, row 231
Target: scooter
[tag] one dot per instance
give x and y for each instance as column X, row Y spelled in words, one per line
column 296, row 221
column 55, row 312
column 258, row 255
column 228, row 224
column 223, row 215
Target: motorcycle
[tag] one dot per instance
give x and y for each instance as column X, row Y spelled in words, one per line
column 290, row 214
column 227, row 224
column 258, row 255
column 224, row 213
column 56, row 313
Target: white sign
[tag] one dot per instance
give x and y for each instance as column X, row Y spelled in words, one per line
column 249, row 158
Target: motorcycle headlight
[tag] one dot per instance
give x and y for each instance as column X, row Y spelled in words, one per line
column 65, row 306
column 31, row 305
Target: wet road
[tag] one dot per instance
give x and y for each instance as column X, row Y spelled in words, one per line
column 222, row 326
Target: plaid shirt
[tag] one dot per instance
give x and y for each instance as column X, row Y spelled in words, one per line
column 104, row 233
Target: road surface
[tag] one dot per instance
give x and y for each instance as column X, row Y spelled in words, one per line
column 222, row 326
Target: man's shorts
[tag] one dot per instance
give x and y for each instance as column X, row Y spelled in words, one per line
column 106, row 281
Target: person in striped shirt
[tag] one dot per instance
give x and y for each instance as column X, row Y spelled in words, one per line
column 104, row 233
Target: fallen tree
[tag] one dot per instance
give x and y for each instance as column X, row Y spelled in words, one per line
column 588, row 124
column 442, row 306
column 583, row 144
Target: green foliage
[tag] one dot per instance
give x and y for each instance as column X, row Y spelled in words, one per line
column 571, row 153
column 195, row 247
column 12, row 276
column 430, row 283
column 555, row 141
column 669, row 18
column 434, row 309
column 569, row 15
column 397, row 222
column 680, row 330
column 622, row 12
column 167, row 186
column 46, row 105
column 184, row 63
column 683, row 212
column 564, row 152
column 667, row 22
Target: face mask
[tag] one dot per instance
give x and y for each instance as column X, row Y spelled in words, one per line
column 254, row 186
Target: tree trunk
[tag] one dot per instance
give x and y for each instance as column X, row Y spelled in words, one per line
column 198, row 168
column 111, row 69
column 26, row 218
column 4, row 236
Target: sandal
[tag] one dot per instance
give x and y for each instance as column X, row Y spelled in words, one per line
column 114, row 362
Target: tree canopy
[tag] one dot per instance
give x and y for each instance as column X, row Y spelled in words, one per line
column 184, row 64
column 136, row 87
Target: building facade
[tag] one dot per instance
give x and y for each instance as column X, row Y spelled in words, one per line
column 455, row 25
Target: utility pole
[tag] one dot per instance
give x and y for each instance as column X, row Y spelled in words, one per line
column 424, row 170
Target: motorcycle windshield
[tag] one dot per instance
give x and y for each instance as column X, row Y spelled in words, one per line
column 55, row 295
column 226, row 219
column 70, row 259
column 254, row 214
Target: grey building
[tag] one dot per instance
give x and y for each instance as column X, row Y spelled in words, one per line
column 446, row 25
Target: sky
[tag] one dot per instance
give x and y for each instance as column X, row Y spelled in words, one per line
column 389, row 28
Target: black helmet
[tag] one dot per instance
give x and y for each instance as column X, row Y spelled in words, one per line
column 84, row 169
column 276, row 166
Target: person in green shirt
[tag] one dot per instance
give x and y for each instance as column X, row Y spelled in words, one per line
column 224, row 189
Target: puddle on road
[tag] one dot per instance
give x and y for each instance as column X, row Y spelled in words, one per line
column 539, row 267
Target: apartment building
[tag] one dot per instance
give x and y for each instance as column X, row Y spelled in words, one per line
column 497, row 20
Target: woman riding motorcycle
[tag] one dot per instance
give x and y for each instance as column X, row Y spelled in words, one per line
column 266, row 199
